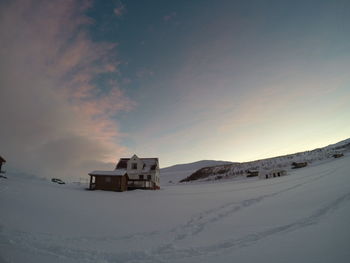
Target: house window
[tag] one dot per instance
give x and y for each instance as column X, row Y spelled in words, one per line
column 141, row 176
column 149, row 177
column 108, row 179
column 134, row 166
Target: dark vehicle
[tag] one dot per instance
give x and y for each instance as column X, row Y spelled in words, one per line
column 58, row 181
column 296, row 165
column 338, row 155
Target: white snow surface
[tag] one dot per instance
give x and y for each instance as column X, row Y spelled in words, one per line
column 302, row 217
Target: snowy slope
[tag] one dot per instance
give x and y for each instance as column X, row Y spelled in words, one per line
column 175, row 173
column 302, row 217
column 236, row 170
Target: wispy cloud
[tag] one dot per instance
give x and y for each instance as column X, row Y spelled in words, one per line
column 58, row 121
column 169, row 17
column 119, row 10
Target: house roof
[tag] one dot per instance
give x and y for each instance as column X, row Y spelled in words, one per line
column 150, row 163
column 143, row 159
column 117, row 172
column 2, row 160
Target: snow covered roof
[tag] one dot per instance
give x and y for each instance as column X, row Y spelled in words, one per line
column 149, row 163
column 117, row 172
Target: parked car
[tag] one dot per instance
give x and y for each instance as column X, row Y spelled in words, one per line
column 58, row 181
column 296, row 165
column 338, row 155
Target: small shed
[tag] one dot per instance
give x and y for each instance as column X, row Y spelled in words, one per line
column 2, row 160
column 266, row 174
column 116, row 180
column 252, row 173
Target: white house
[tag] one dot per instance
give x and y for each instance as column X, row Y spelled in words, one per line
column 130, row 173
column 142, row 172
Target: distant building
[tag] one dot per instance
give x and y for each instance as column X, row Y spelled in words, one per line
column 130, row 173
column 266, row 174
column 2, row 160
column 252, row 173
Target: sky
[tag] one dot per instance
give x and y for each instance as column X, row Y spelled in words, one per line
column 84, row 83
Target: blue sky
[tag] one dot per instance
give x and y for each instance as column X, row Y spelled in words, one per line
column 192, row 65
column 178, row 80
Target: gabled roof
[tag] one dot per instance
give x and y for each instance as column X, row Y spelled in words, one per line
column 123, row 163
column 2, row 160
column 149, row 163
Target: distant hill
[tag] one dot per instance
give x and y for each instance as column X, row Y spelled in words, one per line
column 232, row 170
column 175, row 173
column 340, row 145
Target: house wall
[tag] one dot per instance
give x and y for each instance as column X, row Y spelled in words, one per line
column 112, row 183
column 156, row 179
column 134, row 174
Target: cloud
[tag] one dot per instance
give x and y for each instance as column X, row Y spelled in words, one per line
column 144, row 73
column 169, row 17
column 55, row 120
column 119, row 10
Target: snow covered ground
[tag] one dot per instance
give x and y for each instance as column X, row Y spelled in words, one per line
column 302, row 217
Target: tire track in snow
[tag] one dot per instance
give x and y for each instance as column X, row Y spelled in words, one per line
column 198, row 223
column 64, row 247
column 229, row 244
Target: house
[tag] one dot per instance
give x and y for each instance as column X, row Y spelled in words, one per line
column 298, row 165
column 252, row 173
column 116, row 180
column 129, row 173
column 266, row 174
column 2, row 160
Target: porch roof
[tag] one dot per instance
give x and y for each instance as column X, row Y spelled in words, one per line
column 117, row 172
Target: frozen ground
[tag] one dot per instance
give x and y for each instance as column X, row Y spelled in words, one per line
column 302, row 217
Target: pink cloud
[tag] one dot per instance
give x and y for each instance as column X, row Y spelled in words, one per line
column 50, row 63
column 120, row 10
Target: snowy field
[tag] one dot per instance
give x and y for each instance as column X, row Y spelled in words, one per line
column 302, row 217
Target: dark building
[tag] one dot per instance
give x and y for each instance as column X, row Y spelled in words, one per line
column 109, row 180
column 2, row 160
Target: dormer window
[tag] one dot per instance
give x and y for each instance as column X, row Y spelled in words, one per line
column 134, row 166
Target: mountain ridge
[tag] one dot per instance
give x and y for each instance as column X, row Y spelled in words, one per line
column 278, row 162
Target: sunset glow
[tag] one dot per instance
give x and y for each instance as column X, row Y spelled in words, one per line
column 84, row 83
